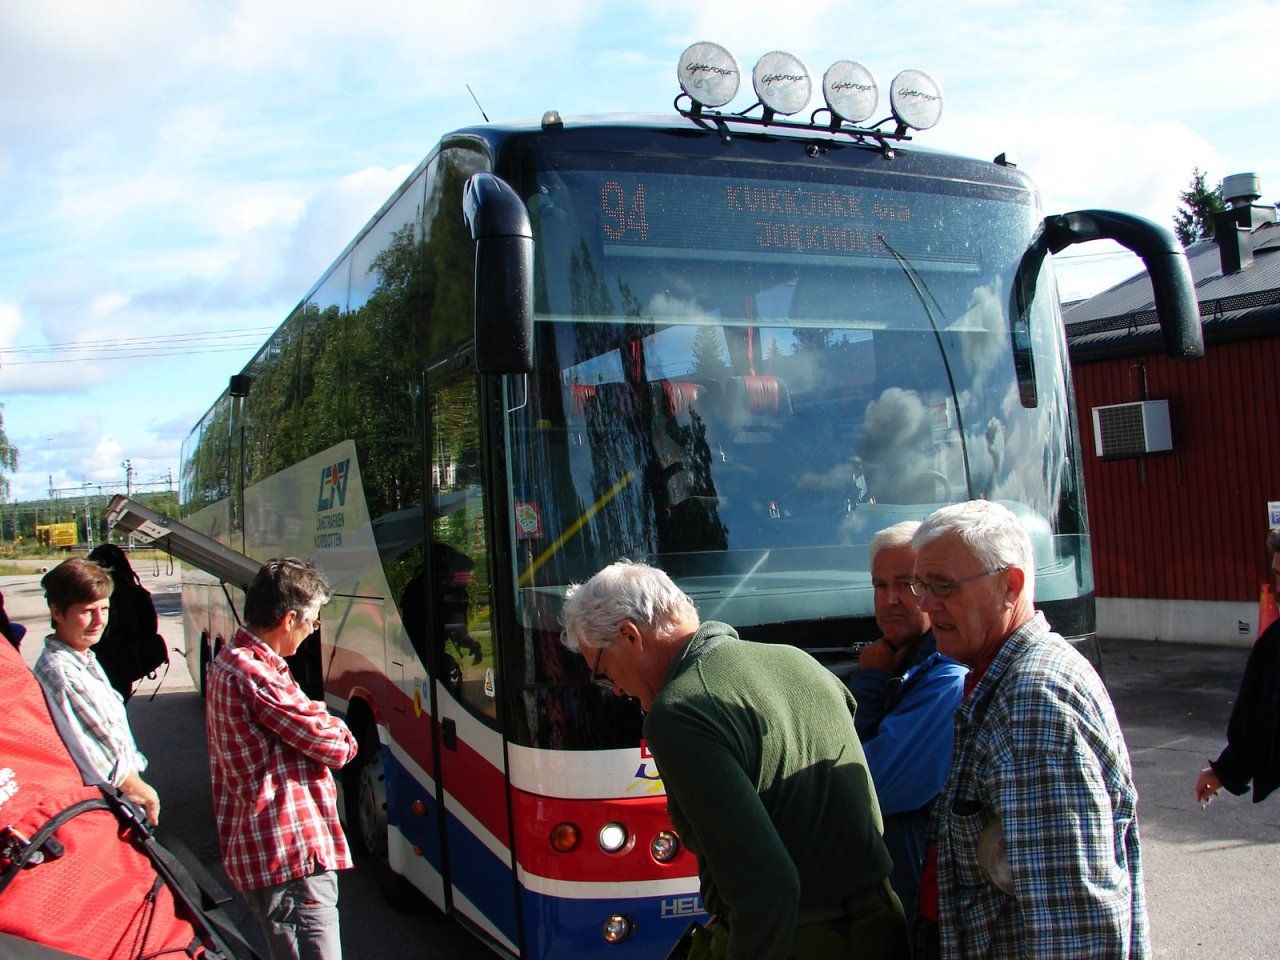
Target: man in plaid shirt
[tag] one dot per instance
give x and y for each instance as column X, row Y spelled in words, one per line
column 271, row 751
column 1034, row 838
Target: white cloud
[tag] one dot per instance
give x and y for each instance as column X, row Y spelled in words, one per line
column 10, row 324
column 331, row 218
column 195, row 166
column 17, row 375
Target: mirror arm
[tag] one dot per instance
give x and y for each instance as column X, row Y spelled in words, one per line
column 1166, row 262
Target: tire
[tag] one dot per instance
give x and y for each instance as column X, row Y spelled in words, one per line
column 365, row 793
column 205, row 660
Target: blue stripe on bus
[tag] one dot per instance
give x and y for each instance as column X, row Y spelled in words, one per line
column 561, row 927
column 482, row 877
column 556, row 926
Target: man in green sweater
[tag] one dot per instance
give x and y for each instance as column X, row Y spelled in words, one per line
column 766, row 780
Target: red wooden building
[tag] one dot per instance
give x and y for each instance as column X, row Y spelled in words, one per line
column 1178, row 506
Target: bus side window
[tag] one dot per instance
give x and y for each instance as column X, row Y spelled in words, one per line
column 458, row 560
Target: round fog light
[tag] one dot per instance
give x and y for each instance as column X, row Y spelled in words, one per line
column 665, row 846
column 613, row 837
column 616, row 929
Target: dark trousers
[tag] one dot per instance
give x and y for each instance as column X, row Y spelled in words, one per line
column 868, row 925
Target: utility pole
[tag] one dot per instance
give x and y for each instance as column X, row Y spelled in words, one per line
column 88, row 518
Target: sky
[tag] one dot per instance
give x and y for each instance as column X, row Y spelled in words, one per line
column 175, row 175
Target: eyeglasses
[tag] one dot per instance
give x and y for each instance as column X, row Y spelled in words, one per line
column 945, row 588
column 602, row 680
column 314, row 621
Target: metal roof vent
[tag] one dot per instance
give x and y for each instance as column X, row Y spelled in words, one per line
column 1132, row 429
column 1241, row 189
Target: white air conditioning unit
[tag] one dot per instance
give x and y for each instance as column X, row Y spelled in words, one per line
column 1132, row 429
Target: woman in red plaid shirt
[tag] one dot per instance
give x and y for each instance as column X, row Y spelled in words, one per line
column 272, row 751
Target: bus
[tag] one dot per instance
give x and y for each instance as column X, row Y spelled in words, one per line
column 732, row 346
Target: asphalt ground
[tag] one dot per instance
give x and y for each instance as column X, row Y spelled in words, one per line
column 1212, row 874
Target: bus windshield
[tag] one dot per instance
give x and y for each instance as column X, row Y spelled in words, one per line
column 744, row 371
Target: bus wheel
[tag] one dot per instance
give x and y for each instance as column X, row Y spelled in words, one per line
column 204, row 665
column 366, row 790
column 371, row 806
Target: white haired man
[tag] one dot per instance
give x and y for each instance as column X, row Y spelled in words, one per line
column 907, row 695
column 1035, row 831
column 766, row 780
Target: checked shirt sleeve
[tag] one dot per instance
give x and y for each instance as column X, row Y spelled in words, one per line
column 304, row 724
column 1051, row 788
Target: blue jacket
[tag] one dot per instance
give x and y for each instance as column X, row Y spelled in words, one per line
column 905, row 725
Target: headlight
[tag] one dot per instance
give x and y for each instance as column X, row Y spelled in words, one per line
column 613, row 837
column 665, row 846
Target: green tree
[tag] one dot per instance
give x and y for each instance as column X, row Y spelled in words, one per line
column 8, row 458
column 709, row 356
column 1194, row 218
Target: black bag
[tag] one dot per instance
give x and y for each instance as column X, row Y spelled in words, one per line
column 131, row 647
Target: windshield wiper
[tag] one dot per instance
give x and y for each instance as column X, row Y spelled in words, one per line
column 921, row 288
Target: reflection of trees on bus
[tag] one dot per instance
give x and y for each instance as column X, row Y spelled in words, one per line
column 348, row 362
column 455, row 575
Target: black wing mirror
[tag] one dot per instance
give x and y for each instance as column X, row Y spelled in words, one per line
column 504, row 275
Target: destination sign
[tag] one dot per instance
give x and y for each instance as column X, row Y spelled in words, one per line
column 649, row 214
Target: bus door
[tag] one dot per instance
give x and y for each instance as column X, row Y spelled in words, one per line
column 472, row 782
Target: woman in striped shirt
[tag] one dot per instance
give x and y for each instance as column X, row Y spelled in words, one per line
column 86, row 709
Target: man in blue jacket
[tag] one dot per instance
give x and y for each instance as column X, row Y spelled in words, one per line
column 906, row 693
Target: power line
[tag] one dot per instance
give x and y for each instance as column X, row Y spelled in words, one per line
column 162, row 337
column 104, row 358
column 144, row 350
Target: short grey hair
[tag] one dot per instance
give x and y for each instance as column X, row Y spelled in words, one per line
column 280, row 585
column 622, row 591
column 991, row 531
column 899, row 535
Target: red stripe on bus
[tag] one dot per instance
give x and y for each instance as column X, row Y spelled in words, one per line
column 478, row 786
column 644, row 817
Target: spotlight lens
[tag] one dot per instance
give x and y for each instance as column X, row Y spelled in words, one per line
column 782, row 83
column 616, row 929
column 708, row 74
column 665, row 846
column 850, row 90
column 613, row 837
column 916, row 99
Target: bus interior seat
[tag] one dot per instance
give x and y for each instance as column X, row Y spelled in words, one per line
column 684, row 399
column 757, row 402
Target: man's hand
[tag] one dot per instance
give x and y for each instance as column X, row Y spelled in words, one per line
column 138, row 791
column 881, row 655
column 1207, row 786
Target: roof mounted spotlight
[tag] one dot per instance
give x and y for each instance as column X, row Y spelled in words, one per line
column 916, row 100
column 850, row 91
column 782, row 84
column 709, row 75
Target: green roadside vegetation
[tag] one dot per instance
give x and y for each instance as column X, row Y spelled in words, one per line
column 27, row 560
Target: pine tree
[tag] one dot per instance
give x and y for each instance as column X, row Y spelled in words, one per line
column 1194, row 219
column 709, row 356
